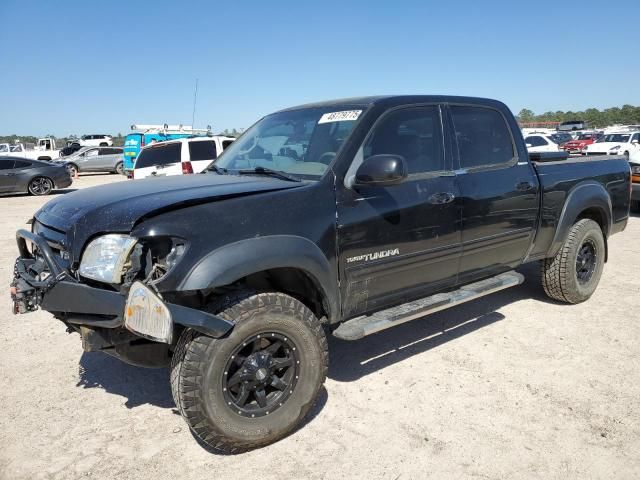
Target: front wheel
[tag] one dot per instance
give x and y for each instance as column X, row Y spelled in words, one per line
column 574, row 273
column 40, row 186
column 254, row 386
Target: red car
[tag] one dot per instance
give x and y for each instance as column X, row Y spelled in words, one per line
column 577, row 145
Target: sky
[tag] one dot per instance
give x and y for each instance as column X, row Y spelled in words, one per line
column 97, row 67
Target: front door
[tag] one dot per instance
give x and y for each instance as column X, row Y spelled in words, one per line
column 400, row 242
column 499, row 193
column 7, row 175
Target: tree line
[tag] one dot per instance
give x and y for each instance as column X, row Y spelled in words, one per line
column 625, row 115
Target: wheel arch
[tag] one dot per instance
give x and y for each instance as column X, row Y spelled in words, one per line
column 291, row 264
column 586, row 200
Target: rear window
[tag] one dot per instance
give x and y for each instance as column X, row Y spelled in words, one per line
column 202, row 150
column 163, row 154
column 483, row 136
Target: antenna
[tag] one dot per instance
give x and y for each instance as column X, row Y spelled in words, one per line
column 195, row 98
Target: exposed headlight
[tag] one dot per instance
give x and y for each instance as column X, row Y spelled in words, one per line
column 105, row 256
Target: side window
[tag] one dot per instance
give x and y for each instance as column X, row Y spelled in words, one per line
column 21, row 164
column 91, row 153
column 414, row 133
column 535, row 141
column 226, row 143
column 202, row 150
column 4, row 148
column 6, row 164
column 635, row 137
column 483, row 136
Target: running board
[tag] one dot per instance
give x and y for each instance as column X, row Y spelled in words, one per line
column 360, row 327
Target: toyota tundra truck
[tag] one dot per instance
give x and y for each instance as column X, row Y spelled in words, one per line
column 345, row 217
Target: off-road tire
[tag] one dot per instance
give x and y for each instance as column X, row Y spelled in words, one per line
column 559, row 274
column 198, row 364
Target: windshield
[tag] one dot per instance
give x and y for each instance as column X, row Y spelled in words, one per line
column 299, row 142
column 615, row 137
column 586, row 137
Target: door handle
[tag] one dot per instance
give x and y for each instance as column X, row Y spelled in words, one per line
column 441, row 198
column 524, row 186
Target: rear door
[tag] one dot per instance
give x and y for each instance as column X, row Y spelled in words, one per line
column 201, row 154
column 499, row 193
column 159, row 160
column 7, row 175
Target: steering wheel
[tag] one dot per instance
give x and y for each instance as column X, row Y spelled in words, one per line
column 253, row 145
column 327, row 154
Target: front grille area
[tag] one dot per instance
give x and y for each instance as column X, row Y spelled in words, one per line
column 56, row 240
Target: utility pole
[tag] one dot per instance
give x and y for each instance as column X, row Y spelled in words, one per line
column 195, row 97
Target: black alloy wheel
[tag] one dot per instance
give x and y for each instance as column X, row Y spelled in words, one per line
column 261, row 374
column 586, row 261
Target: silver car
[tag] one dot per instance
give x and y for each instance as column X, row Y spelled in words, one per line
column 94, row 159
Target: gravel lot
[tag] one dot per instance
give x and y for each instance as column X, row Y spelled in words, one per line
column 510, row 386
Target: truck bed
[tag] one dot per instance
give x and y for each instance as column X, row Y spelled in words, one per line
column 559, row 179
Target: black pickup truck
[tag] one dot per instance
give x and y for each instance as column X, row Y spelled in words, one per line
column 348, row 216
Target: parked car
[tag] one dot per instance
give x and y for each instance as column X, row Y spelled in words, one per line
column 18, row 174
column 143, row 135
column 541, row 143
column 358, row 214
column 635, row 182
column 572, row 125
column 70, row 149
column 96, row 140
column 45, row 149
column 621, row 143
column 561, row 138
column 178, row 157
column 94, row 159
column 577, row 146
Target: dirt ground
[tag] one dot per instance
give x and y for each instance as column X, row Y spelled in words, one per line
column 510, row 386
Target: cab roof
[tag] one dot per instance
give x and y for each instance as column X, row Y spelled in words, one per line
column 390, row 101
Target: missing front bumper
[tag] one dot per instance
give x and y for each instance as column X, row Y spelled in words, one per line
column 42, row 283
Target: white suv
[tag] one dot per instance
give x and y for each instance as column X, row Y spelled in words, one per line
column 178, row 157
column 541, row 142
column 95, row 141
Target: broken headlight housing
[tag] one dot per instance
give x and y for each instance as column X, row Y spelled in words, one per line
column 104, row 258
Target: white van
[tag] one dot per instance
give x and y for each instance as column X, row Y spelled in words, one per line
column 178, row 157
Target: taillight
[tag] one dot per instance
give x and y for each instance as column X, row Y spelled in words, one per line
column 186, row 168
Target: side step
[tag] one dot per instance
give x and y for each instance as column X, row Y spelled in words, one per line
column 360, row 327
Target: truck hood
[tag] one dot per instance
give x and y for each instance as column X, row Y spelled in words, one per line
column 117, row 207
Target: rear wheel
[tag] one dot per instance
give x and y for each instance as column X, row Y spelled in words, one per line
column 40, row 186
column 119, row 168
column 72, row 169
column 574, row 273
column 103, row 144
column 252, row 387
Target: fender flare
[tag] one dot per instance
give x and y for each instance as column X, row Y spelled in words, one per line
column 585, row 195
column 232, row 262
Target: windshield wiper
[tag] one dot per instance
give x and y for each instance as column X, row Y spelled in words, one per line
column 272, row 173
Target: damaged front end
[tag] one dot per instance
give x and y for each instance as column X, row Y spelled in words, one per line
column 129, row 319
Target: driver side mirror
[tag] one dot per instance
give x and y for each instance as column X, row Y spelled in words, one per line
column 381, row 170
